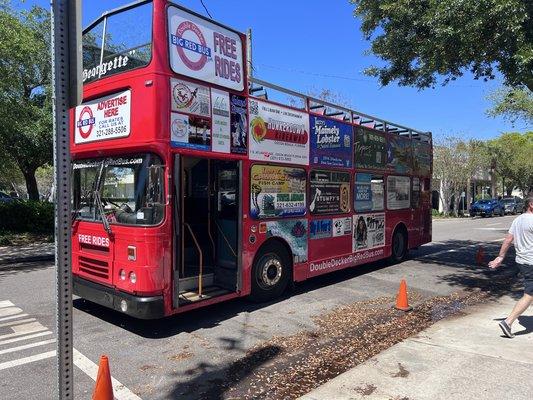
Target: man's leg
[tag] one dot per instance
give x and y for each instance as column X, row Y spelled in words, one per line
column 521, row 306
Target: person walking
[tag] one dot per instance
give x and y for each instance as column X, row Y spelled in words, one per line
column 521, row 232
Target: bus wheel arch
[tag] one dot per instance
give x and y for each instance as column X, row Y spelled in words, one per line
column 271, row 270
column 399, row 243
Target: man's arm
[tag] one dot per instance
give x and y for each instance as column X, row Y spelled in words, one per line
column 503, row 251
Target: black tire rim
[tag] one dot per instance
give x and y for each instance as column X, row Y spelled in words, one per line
column 270, row 272
column 398, row 246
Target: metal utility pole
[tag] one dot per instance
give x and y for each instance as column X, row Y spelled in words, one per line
column 249, row 53
column 67, row 92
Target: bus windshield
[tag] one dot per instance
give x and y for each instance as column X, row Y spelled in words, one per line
column 129, row 190
column 117, row 42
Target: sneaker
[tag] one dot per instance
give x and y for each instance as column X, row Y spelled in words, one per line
column 506, row 329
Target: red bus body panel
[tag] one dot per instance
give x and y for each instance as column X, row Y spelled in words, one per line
column 98, row 256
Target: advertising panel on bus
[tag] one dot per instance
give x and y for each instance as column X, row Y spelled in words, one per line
column 398, row 192
column 331, row 142
column 203, row 50
column 399, row 154
column 277, row 191
column 104, row 118
column 368, row 231
column 421, row 158
column 370, row 149
column 278, row 134
column 330, row 192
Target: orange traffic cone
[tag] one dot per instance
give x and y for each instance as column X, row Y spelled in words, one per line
column 401, row 300
column 480, row 256
column 103, row 389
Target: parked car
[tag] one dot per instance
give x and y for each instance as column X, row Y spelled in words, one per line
column 5, row 198
column 513, row 205
column 488, row 207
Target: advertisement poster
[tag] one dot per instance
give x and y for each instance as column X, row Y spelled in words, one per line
column 320, row 229
column 399, row 154
column 331, row 142
column 104, row 118
column 342, row 226
column 363, row 192
column 398, row 189
column 190, row 131
column 221, row 121
column 422, row 158
column 190, row 98
column 205, row 51
column 239, row 124
column 278, row 134
column 368, row 231
column 294, row 232
column 277, row 191
column 330, row 192
column 370, row 149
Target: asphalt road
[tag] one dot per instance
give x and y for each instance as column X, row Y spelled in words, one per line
column 188, row 356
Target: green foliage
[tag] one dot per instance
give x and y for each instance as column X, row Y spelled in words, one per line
column 455, row 162
column 513, row 156
column 420, row 40
column 513, row 104
column 25, row 90
column 28, row 216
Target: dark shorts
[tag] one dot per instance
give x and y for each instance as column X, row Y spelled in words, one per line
column 527, row 272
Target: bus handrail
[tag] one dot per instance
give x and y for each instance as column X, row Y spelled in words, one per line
column 200, row 256
column 352, row 115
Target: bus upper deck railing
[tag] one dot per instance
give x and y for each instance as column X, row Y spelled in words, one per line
column 328, row 109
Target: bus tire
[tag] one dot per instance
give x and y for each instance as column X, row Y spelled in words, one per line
column 399, row 248
column 271, row 272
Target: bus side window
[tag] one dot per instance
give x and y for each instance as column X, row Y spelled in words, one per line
column 415, row 195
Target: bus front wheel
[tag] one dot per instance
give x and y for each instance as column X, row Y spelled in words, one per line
column 399, row 246
column 270, row 273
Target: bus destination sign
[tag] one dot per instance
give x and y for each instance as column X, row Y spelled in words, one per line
column 203, row 50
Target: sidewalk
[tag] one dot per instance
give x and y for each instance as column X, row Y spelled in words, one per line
column 28, row 253
column 462, row 357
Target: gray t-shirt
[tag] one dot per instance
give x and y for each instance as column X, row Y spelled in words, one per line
column 522, row 230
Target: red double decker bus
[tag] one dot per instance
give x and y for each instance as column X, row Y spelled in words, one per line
column 190, row 187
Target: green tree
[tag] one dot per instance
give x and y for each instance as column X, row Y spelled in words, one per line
column 420, row 40
column 513, row 156
column 513, row 104
column 25, row 90
column 455, row 163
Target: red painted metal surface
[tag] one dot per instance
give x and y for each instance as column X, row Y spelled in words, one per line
column 150, row 126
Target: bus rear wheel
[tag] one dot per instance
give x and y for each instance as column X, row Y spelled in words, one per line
column 270, row 273
column 399, row 246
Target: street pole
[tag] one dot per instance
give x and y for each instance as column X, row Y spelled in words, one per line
column 66, row 66
column 249, row 53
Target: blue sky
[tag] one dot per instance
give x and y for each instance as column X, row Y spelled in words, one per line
column 313, row 44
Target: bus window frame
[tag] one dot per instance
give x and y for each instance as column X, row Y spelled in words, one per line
column 115, row 11
column 164, row 178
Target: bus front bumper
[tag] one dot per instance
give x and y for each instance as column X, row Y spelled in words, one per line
column 136, row 306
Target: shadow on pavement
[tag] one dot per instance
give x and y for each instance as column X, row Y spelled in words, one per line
column 461, row 255
column 527, row 322
column 458, row 254
column 212, row 315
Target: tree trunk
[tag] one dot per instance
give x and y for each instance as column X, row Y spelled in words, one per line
column 31, row 184
column 468, row 194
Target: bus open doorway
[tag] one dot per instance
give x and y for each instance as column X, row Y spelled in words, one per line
column 208, row 217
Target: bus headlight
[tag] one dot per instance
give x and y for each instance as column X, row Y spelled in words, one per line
column 122, row 275
column 123, row 305
column 133, row 277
